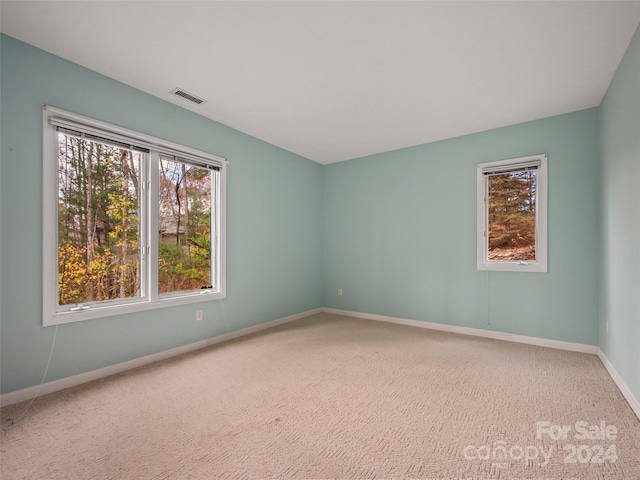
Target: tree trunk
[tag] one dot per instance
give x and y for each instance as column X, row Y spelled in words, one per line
column 186, row 204
column 89, row 215
column 124, row 224
column 179, row 215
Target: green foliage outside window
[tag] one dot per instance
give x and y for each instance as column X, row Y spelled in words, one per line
column 99, row 223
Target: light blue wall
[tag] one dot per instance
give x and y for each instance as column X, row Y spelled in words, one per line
column 400, row 234
column 395, row 231
column 620, row 153
column 273, row 239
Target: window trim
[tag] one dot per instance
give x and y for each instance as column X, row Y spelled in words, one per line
column 150, row 299
column 540, row 264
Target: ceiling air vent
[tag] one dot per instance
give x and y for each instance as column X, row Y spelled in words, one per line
column 187, row 96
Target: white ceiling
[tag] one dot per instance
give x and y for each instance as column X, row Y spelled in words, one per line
column 333, row 81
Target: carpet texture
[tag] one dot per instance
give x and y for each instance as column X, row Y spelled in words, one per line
column 335, row 397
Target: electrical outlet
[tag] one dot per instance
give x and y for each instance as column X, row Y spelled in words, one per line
column 198, row 315
column 339, row 292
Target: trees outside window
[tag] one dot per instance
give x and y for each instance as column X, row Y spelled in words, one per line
column 98, row 221
column 185, row 227
column 131, row 222
column 512, row 208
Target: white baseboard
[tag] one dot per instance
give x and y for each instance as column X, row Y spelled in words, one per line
column 67, row 382
column 542, row 342
column 624, row 389
column 477, row 332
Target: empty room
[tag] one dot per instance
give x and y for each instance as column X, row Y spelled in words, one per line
column 320, row 239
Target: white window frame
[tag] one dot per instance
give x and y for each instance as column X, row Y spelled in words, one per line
column 149, row 205
column 540, row 264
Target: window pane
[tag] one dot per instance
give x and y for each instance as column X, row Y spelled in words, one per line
column 184, row 261
column 98, row 221
column 511, row 207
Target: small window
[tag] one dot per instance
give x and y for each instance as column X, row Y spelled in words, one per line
column 131, row 222
column 512, row 215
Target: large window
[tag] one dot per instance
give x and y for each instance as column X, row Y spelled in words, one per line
column 131, row 222
column 512, row 215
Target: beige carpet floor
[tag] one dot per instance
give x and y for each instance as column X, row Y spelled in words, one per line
column 335, row 397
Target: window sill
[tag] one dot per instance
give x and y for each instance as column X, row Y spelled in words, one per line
column 123, row 309
column 530, row 267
